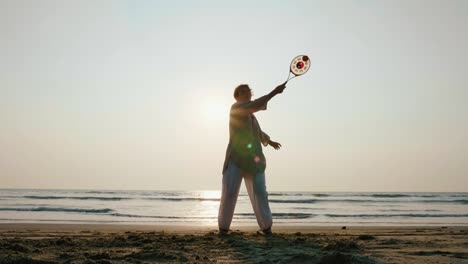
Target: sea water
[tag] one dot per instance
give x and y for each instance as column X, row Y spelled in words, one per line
column 200, row 208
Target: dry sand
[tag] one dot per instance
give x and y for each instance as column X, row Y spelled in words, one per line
column 74, row 243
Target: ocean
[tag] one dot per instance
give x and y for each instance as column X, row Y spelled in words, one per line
column 200, row 208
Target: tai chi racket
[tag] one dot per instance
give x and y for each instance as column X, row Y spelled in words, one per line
column 299, row 65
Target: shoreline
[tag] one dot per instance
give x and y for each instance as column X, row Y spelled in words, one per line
column 207, row 228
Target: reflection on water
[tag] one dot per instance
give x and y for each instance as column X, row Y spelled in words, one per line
column 209, row 206
column 210, row 194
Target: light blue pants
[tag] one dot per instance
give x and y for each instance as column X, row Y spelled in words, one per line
column 256, row 188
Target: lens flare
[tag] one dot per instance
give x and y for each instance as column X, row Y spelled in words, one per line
column 249, row 146
column 257, row 159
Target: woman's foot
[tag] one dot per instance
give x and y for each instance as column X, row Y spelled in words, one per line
column 223, row 231
column 267, row 231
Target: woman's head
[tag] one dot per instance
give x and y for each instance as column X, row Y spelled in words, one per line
column 243, row 93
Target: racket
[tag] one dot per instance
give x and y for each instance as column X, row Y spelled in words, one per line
column 299, row 65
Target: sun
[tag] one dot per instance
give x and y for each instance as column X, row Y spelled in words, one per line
column 215, row 111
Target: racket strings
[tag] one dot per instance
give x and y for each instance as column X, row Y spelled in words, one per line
column 299, row 65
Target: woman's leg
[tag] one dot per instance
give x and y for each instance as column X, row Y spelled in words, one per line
column 232, row 180
column 258, row 194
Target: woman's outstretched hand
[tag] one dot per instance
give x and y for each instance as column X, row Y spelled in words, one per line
column 279, row 89
column 275, row 145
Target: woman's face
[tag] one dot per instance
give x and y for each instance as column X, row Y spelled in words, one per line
column 245, row 94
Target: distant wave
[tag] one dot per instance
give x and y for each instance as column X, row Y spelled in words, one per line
column 118, row 198
column 57, row 209
column 401, row 195
column 161, row 216
column 143, row 216
column 77, row 197
column 393, row 195
column 107, row 211
column 277, row 198
column 137, row 194
column 298, row 194
column 407, row 210
column 246, row 215
column 396, row 215
column 309, row 201
column 284, row 194
column 309, row 208
column 293, row 201
column 448, row 201
column 389, row 195
column 108, row 192
column 321, row 195
column 282, row 215
column 460, row 195
column 182, row 199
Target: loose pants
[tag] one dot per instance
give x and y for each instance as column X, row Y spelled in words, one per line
column 256, row 188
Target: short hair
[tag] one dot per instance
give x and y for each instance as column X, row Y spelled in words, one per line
column 238, row 88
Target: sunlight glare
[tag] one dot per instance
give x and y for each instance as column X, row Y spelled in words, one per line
column 210, row 194
column 215, row 111
column 209, row 207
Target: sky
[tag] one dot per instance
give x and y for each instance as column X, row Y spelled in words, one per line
column 136, row 94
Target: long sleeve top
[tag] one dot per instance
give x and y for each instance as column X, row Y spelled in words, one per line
column 246, row 137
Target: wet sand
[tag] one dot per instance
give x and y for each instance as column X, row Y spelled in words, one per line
column 76, row 243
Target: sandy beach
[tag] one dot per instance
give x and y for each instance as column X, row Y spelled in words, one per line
column 76, row 243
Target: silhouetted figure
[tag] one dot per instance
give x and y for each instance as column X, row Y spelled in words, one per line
column 245, row 159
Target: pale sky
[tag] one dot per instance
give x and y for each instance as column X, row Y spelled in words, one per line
column 136, row 94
